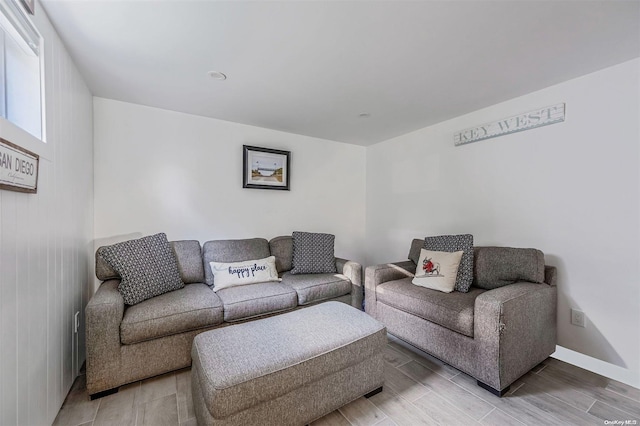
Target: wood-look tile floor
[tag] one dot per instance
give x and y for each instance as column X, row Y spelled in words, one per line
column 418, row 390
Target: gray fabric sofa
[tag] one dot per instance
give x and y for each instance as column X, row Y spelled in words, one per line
column 495, row 335
column 130, row 343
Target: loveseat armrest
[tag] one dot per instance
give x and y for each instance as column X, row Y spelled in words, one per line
column 377, row 274
column 103, row 316
column 516, row 328
column 353, row 271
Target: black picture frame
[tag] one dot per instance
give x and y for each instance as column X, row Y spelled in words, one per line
column 265, row 168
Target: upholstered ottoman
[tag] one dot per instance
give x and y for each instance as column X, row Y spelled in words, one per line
column 288, row 369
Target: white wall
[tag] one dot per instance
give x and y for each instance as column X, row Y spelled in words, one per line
column 570, row 189
column 163, row 171
column 44, row 246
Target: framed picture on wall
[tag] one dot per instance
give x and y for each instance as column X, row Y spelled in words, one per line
column 265, row 168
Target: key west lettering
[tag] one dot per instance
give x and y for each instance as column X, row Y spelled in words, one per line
column 18, row 168
column 518, row 123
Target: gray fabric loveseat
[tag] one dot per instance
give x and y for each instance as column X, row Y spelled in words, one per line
column 129, row 343
column 495, row 334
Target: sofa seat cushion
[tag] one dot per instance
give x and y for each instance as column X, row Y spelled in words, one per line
column 450, row 310
column 190, row 308
column 313, row 288
column 252, row 300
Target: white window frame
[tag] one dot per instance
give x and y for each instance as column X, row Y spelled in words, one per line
column 18, row 24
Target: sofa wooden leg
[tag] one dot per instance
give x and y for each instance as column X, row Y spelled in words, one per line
column 496, row 392
column 103, row 393
column 373, row 392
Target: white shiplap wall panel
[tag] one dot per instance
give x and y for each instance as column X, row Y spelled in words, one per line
column 44, row 255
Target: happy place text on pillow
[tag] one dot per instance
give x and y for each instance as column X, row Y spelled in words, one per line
column 246, row 271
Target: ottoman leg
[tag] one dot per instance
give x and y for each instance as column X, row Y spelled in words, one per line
column 373, row 392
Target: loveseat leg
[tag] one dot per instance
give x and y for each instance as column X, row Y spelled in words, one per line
column 103, row 393
column 373, row 392
column 496, row 392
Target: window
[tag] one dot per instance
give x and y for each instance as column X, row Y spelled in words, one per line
column 20, row 69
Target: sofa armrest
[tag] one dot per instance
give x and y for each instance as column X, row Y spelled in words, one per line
column 103, row 316
column 353, row 271
column 516, row 326
column 378, row 274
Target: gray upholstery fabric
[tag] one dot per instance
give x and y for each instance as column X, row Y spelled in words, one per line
column 453, row 243
column 451, row 310
column 303, row 405
column 242, row 366
column 103, row 316
column 417, row 244
column 499, row 266
column 378, row 274
column 104, row 271
column 111, row 364
column 251, row 300
column 189, row 257
column 192, row 307
column 550, row 275
column 232, row 251
column 315, row 287
column 313, row 253
column 282, row 249
column 514, row 327
column 353, row 271
column 147, row 267
column 527, row 330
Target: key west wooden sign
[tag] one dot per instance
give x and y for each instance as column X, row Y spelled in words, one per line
column 518, row 123
column 18, row 168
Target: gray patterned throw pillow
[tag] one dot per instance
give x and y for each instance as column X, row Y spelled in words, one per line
column 147, row 267
column 313, row 253
column 453, row 243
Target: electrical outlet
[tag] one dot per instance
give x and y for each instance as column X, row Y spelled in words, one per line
column 578, row 318
column 76, row 322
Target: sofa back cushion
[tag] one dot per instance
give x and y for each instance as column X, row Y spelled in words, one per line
column 282, row 249
column 232, row 251
column 414, row 252
column 499, row 266
column 188, row 254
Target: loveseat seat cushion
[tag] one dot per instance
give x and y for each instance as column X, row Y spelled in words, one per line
column 232, row 251
column 450, row 310
column 190, row 308
column 313, row 288
column 252, row 300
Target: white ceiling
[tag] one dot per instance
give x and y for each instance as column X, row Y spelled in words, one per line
column 311, row 67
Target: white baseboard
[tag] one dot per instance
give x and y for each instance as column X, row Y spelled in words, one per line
column 631, row 378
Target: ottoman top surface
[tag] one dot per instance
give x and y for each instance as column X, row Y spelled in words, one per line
column 240, row 353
